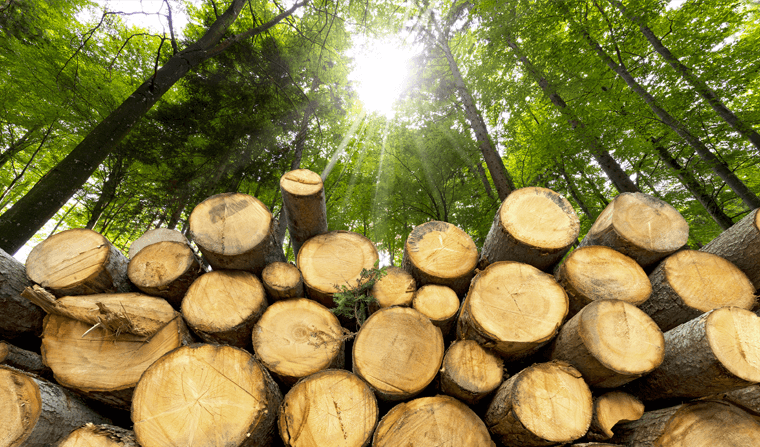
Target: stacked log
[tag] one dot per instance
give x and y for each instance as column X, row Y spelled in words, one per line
column 282, row 281
column 103, row 435
column 740, row 245
column 155, row 236
column 613, row 408
column 165, row 269
column 303, row 202
column 396, row 288
column 24, row 360
column 440, row 304
column 470, row 372
column 20, row 317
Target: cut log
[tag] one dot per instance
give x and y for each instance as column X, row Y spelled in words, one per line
column 611, row 343
column 747, row 398
column 398, row 351
column 639, row 226
column 440, row 253
column 155, row 236
column 235, row 231
column 78, row 262
column 689, row 283
column 396, row 288
column 715, row 353
column 708, row 423
column 600, row 273
column 429, row 421
column 303, row 198
column 20, row 317
column 534, row 226
column 165, row 269
column 282, row 281
column 613, row 408
column 329, row 261
column 23, row 360
column 37, row 413
column 545, row 404
column 91, row 435
column 206, row 396
column 102, row 364
column 440, row 304
column 512, row 308
column 740, row 245
column 223, row 306
column 330, row 408
column 470, row 372
column 298, row 337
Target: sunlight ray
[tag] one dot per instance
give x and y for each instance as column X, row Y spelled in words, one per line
column 342, row 146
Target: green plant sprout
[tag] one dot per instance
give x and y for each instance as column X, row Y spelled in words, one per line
column 353, row 302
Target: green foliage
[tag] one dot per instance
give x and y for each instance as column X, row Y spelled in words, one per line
column 354, row 301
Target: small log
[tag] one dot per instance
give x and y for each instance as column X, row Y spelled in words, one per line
column 223, row 306
column 23, row 360
column 440, row 304
column 303, row 199
column 431, row 421
column 689, row 283
column 534, row 226
column 715, row 353
column 38, row 413
column 398, row 351
column 298, row 337
column 235, row 231
column 740, row 245
column 329, row 261
column 206, row 396
column 440, row 253
column 329, row 408
column 396, row 288
column 611, row 343
column 544, row 404
column 282, row 281
column 599, row 273
column 512, row 308
column 91, row 435
column 165, row 269
column 155, row 236
column 639, row 226
column 20, row 317
column 613, row 408
column 470, row 372
column 78, row 262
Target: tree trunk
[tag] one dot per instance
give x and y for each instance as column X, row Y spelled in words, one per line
column 20, row 318
column 613, row 408
column 24, row 360
column 574, row 191
column 103, row 435
column 108, row 192
column 470, row 372
column 439, row 303
column 282, row 281
column 303, row 203
column 740, row 245
column 165, row 270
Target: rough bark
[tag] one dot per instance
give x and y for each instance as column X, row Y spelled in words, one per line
column 20, row 318
column 24, row 360
column 740, row 244
column 103, row 435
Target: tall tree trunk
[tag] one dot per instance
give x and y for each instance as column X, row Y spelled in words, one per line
column 573, row 190
column 30, row 213
column 609, row 165
column 695, row 81
column 108, row 192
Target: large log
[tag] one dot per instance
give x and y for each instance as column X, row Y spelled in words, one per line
column 329, row 408
column 78, row 262
column 396, row 288
column 282, row 281
column 439, row 303
column 165, row 269
column 513, row 308
column 740, row 244
column 223, row 306
column 155, row 236
column 611, row 409
column 103, row 435
column 544, row 404
column 303, row 199
column 639, row 226
column 235, row 231
column 689, row 283
column 20, row 317
column 206, row 396
column 398, row 351
column 37, row 413
column 534, row 226
column 440, row 253
column 470, row 372
column 611, row 342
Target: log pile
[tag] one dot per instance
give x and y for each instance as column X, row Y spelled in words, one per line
column 507, row 346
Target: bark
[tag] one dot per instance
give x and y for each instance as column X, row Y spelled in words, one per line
column 20, row 318
column 24, row 360
column 740, row 244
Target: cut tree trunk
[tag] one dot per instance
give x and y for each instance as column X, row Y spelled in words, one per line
column 282, row 281
column 429, row 421
column 396, row 288
column 611, row 343
column 689, row 283
column 715, row 353
column 91, row 435
column 206, row 396
column 223, row 306
column 78, row 262
column 639, row 226
column 298, row 337
column 24, row 360
column 332, row 260
column 398, row 351
column 155, row 236
column 20, row 317
column 37, row 413
column 740, row 244
column 596, row 272
column 303, row 199
column 329, row 408
column 165, row 269
column 440, row 304
column 747, row 398
column 535, row 226
column 513, row 308
column 544, row 404
column 613, row 408
column 235, row 231
column 470, row 372
column 440, row 253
